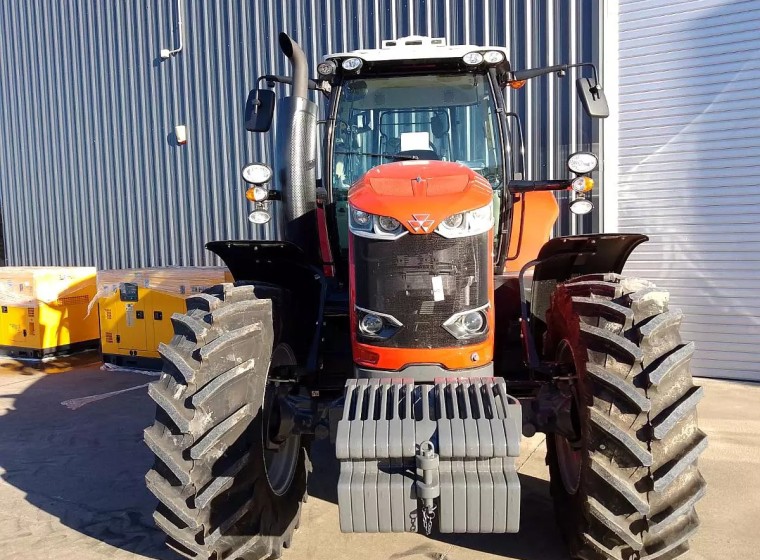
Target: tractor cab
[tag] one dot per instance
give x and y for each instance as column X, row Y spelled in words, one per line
column 414, row 99
column 418, row 213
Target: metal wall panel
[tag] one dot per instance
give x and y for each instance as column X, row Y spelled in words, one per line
column 90, row 173
column 689, row 159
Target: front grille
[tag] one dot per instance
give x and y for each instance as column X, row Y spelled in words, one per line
column 396, row 278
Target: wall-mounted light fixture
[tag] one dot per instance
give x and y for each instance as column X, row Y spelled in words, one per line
column 180, row 133
column 168, row 53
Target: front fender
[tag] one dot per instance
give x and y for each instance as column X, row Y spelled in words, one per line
column 276, row 262
column 562, row 258
column 284, row 266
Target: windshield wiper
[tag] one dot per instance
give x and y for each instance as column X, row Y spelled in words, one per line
column 389, row 156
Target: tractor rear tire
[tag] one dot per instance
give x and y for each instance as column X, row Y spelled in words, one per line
column 222, row 492
column 628, row 488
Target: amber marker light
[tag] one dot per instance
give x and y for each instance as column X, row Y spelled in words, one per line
column 257, row 194
column 582, row 184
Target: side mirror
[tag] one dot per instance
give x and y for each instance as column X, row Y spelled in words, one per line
column 593, row 98
column 259, row 110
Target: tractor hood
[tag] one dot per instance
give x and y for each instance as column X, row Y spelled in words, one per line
column 420, row 194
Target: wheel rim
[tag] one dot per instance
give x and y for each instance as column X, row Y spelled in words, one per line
column 569, row 460
column 279, row 465
column 568, row 457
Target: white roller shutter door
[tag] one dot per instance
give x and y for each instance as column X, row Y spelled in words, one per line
column 689, row 163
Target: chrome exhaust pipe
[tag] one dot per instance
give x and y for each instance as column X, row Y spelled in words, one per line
column 297, row 153
column 297, row 58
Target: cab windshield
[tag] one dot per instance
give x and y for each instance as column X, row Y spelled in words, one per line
column 445, row 117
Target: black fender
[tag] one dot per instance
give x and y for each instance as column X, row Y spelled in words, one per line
column 295, row 283
column 563, row 258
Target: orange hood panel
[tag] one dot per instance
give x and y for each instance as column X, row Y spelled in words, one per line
column 421, row 191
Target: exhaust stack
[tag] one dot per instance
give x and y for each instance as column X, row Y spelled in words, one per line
column 298, row 60
column 297, row 153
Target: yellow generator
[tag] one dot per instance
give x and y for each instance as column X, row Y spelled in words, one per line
column 44, row 311
column 136, row 306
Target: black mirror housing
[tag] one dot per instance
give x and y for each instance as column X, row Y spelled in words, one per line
column 259, row 110
column 593, row 99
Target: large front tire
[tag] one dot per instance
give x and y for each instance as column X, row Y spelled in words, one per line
column 221, row 493
column 627, row 488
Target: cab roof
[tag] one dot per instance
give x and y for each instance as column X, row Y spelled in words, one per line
column 415, row 47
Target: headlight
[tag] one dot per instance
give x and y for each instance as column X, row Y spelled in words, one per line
column 582, row 162
column 371, row 324
column 468, row 324
column 352, row 64
column 454, row 222
column 493, row 57
column 375, row 325
column 257, row 173
column 473, row 58
column 473, row 322
column 360, row 218
column 581, row 206
column 388, row 224
column 326, row 68
column 364, row 224
column 465, row 224
column 259, row 217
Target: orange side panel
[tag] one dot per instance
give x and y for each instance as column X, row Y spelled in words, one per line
column 541, row 212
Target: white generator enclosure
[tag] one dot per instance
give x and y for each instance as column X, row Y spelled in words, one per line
column 689, row 168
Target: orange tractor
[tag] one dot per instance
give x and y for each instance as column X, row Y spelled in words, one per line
column 416, row 311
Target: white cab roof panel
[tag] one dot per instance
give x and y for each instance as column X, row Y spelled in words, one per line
column 415, row 47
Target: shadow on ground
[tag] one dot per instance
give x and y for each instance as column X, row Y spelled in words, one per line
column 85, row 467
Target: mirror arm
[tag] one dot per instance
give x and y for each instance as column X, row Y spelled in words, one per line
column 561, row 69
column 520, row 75
column 272, row 79
column 517, row 187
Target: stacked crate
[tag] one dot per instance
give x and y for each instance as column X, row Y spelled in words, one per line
column 44, row 311
column 136, row 306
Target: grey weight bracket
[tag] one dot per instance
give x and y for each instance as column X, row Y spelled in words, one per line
column 409, row 450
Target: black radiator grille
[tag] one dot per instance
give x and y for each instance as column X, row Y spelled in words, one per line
column 397, row 278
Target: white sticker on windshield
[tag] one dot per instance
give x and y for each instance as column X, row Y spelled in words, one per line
column 415, row 141
column 437, row 288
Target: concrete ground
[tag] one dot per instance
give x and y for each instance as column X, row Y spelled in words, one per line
column 72, row 480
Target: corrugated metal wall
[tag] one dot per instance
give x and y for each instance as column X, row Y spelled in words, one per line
column 689, row 161
column 90, row 173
